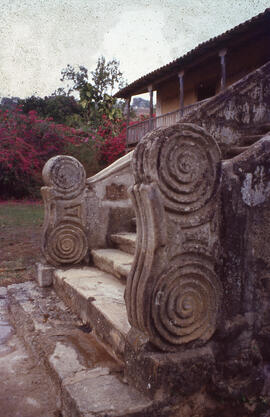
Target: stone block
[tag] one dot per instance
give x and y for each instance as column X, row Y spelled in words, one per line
column 44, row 275
column 161, row 376
column 99, row 394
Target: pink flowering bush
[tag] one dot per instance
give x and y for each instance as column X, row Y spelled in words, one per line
column 27, row 142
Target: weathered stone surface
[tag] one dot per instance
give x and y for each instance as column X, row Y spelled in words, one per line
column 116, row 192
column 65, row 361
column 65, row 175
column 64, row 229
column 113, row 261
column 66, row 244
column 98, row 299
column 109, row 209
column 125, row 241
column 173, row 293
column 90, row 381
column 26, row 390
column 238, row 109
column 161, row 376
column 44, row 275
column 243, row 337
column 80, row 213
column 104, row 396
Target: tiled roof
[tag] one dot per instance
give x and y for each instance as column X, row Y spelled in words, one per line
column 179, row 63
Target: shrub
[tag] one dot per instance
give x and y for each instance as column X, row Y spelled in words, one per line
column 27, row 142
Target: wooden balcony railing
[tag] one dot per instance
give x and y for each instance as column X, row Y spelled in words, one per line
column 138, row 130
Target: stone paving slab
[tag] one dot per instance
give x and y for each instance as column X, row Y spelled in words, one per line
column 25, row 388
column 107, row 395
column 90, row 380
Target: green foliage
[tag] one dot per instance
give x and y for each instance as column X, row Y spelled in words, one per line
column 96, row 105
column 92, row 101
column 9, row 103
column 107, row 76
column 91, row 128
column 78, row 78
column 61, row 108
column 27, row 142
column 94, row 98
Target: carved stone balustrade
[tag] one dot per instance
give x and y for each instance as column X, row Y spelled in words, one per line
column 199, row 285
column 173, row 292
column 197, row 296
column 80, row 213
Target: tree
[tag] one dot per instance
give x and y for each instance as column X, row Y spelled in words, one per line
column 94, row 98
column 9, row 103
column 107, row 76
column 78, row 77
column 61, row 108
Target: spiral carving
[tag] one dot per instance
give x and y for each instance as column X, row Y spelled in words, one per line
column 66, row 244
column 173, row 294
column 65, row 174
column 185, row 303
column 185, row 165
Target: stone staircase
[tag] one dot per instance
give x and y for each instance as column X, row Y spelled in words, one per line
column 249, row 137
column 96, row 293
column 157, row 298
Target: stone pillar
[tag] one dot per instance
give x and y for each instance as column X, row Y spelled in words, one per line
column 64, row 230
column 181, row 87
column 222, row 55
column 127, row 105
column 151, row 109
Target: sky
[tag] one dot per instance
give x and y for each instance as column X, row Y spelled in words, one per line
column 38, row 38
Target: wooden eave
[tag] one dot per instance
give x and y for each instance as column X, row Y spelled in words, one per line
column 199, row 54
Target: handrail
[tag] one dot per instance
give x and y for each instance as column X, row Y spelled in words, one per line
column 112, row 169
column 136, row 131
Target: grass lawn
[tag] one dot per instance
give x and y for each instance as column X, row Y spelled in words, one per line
column 20, row 233
column 22, row 214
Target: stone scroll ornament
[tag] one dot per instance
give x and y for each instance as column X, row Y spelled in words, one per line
column 173, row 293
column 64, row 240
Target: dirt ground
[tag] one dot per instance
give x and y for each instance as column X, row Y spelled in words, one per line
column 20, row 250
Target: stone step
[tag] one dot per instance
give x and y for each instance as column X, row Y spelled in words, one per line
column 125, row 242
column 114, row 261
column 263, row 128
column 259, row 129
column 236, row 150
column 90, row 382
column 98, row 299
column 250, row 139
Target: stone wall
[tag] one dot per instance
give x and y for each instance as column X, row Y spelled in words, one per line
column 109, row 208
column 246, row 246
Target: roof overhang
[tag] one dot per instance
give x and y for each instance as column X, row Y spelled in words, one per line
column 193, row 57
